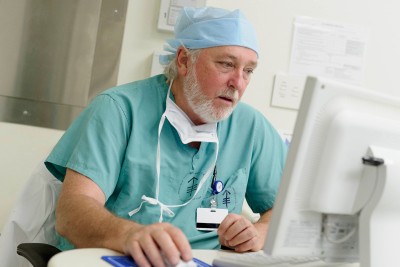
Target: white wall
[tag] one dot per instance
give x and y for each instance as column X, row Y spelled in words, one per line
column 21, row 147
column 273, row 20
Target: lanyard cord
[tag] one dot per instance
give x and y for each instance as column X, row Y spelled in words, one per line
column 155, row 201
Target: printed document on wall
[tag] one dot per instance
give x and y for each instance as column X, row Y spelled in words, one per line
column 328, row 49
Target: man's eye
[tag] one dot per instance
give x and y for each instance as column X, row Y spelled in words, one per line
column 226, row 64
column 249, row 71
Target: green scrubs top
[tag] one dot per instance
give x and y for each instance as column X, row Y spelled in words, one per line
column 114, row 143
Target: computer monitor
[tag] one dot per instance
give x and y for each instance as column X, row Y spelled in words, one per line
column 339, row 196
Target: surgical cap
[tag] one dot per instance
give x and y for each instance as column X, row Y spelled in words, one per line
column 210, row 27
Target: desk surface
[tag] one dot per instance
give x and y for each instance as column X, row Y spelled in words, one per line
column 89, row 257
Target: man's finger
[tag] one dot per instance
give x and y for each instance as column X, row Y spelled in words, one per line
column 244, row 236
column 226, row 224
column 181, row 242
column 138, row 255
column 236, row 227
column 150, row 247
column 166, row 245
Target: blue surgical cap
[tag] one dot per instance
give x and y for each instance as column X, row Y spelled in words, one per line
column 210, row 27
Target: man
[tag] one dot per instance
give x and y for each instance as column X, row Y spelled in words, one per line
column 143, row 157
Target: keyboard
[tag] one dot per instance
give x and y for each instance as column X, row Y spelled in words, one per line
column 260, row 259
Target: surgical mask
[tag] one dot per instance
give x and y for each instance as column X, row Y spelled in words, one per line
column 188, row 132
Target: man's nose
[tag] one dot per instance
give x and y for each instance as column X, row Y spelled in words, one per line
column 238, row 80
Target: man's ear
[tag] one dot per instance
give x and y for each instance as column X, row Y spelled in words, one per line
column 182, row 60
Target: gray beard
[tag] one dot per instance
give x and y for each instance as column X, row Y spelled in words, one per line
column 199, row 103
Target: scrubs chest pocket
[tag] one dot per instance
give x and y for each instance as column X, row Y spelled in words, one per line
column 232, row 195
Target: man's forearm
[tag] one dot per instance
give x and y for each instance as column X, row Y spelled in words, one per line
column 86, row 223
column 82, row 218
column 265, row 217
column 262, row 224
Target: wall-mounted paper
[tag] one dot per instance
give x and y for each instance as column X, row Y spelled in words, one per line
column 328, row 49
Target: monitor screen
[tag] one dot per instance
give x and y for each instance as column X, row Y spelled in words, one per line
column 326, row 185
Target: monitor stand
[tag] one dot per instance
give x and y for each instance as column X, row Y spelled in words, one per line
column 379, row 221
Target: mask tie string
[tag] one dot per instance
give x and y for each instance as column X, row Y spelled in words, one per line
column 153, row 201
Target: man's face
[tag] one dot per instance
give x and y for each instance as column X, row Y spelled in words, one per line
column 216, row 82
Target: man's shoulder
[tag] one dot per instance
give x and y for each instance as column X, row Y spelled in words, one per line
column 247, row 118
column 153, row 85
column 137, row 93
column 244, row 113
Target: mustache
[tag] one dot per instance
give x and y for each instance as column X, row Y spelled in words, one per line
column 231, row 94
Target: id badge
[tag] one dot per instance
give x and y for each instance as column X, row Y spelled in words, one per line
column 209, row 219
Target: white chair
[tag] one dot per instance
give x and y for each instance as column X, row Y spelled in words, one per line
column 32, row 219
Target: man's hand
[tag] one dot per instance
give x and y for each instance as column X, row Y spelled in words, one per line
column 239, row 233
column 154, row 244
column 84, row 221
